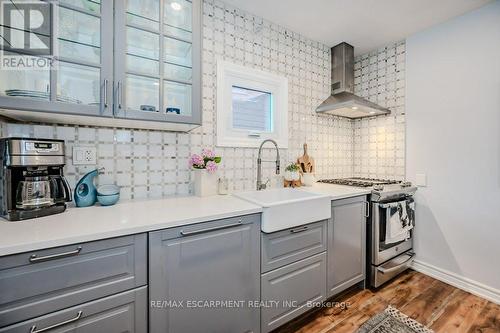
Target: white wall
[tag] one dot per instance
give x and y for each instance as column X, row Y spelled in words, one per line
column 453, row 135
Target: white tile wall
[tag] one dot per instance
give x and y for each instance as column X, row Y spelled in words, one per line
column 154, row 163
column 239, row 37
column 379, row 143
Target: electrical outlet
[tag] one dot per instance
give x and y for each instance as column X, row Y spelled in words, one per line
column 84, row 155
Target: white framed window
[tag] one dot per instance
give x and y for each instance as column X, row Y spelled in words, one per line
column 252, row 106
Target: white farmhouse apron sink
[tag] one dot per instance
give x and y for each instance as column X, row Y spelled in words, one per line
column 285, row 208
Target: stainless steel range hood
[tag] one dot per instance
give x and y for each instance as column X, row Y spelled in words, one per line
column 342, row 102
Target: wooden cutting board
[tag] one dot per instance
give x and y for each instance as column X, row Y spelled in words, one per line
column 306, row 162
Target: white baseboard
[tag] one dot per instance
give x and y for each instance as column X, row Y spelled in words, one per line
column 471, row 286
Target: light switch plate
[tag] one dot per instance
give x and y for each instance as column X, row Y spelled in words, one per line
column 83, row 155
column 421, row 179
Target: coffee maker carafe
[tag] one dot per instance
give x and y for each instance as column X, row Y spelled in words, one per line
column 32, row 180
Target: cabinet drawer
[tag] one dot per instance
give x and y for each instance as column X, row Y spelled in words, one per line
column 124, row 312
column 284, row 247
column 41, row 282
column 203, row 227
column 292, row 287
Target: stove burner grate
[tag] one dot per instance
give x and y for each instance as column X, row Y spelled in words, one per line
column 359, row 182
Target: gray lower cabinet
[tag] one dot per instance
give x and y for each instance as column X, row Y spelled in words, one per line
column 346, row 244
column 287, row 291
column 120, row 313
column 192, row 268
column 44, row 281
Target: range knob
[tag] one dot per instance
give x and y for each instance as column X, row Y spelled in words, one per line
column 405, row 184
column 378, row 187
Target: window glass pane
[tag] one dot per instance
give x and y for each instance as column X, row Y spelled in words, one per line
column 89, row 5
column 76, row 51
column 174, row 72
column 252, row 109
column 177, row 98
column 78, row 27
column 143, row 51
column 142, row 65
column 78, row 84
column 79, row 36
column 143, row 44
column 144, row 13
column 25, row 83
column 15, row 38
column 176, row 32
column 177, row 18
column 13, row 31
column 142, row 93
column 177, row 52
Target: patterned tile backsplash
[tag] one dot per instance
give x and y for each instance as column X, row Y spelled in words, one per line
column 152, row 164
column 379, row 143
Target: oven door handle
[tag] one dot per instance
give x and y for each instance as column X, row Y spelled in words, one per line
column 394, row 204
column 395, row 268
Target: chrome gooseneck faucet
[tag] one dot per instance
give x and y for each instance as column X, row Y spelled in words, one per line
column 260, row 185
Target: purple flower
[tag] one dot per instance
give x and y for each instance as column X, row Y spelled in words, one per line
column 208, row 153
column 196, row 161
column 211, row 166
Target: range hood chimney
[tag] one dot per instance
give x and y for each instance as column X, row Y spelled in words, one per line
column 342, row 102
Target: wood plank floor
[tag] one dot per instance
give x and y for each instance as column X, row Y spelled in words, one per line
column 433, row 303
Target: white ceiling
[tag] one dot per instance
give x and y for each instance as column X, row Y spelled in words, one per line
column 366, row 24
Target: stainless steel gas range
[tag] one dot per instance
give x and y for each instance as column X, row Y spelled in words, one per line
column 390, row 226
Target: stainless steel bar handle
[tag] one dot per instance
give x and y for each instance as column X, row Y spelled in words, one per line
column 105, row 93
column 69, row 321
column 295, row 231
column 367, row 209
column 120, row 94
column 35, row 258
column 200, row 231
column 395, row 268
column 392, row 204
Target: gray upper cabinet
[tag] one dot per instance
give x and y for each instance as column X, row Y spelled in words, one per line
column 193, row 267
column 81, row 82
column 134, row 63
column 346, row 244
column 157, row 60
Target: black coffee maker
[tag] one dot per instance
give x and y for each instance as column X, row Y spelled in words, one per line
column 32, row 182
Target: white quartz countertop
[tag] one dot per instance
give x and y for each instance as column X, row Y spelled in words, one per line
column 78, row 225
column 336, row 192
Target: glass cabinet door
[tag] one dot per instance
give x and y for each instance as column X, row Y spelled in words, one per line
column 157, row 60
column 80, row 80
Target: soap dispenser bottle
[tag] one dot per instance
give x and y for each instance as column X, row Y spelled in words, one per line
column 85, row 190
